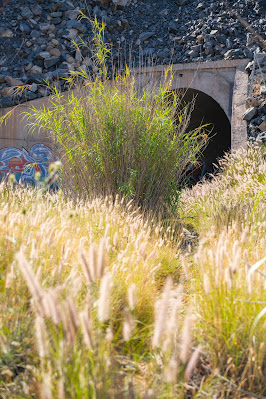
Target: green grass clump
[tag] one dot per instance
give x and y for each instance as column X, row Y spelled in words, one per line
column 121, row 135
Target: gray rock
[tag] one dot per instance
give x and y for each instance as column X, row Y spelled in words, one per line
column 76, row 25
column 72, row 14
column 45, row 27
column 36, row 70
column 250, row 113
column 200, row 7
column 26, row 13
column 24, row 28
column 173, row 27
column 261, row 137
column 232, row 54
column 6, row 33
column 146, row 36
column 7, row 101
column 248, row 53
column 35, row 34
column 49, row 62
column 36, row 9
column 44, row 55
column 263, row 90
column 56, row 14
column 195, row 50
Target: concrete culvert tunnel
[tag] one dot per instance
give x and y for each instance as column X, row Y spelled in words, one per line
column 207, row 111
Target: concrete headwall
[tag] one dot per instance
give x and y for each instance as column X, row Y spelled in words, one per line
column 225, row 81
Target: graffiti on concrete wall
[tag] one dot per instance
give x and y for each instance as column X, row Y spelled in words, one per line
column 24, row 164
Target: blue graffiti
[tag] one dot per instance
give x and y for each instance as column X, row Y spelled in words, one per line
column 24, row 165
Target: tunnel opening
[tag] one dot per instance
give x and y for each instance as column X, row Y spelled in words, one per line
column 205, row 110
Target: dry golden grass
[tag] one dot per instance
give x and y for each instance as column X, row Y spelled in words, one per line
column 100, row 301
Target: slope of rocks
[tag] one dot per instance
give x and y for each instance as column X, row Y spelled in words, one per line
column 36, row 37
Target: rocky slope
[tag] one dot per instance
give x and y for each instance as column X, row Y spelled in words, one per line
column 36, row 36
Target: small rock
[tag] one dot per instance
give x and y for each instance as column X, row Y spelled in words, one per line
column 250, row 113
column 249, row 67
column 36, row 9
column 248, row 53
column 200, row 7
column 72, row 14
column 6, row 33
column 76, row 25
column 49, row 62
column 262, row 126
column 146, row 36
column 36, row 69
column 56, row 14
column 24, row 28
column 261, row 137
column 7, row 101
column 173, row 27
column 45, row 27
column 13, row 82
column 55, row 52
column 26, row 13
column 70, row 34
column 232, row 54
column 44, row 55
column 8, row 91
column 263, row 90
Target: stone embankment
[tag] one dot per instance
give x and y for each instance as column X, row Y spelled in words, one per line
column 255, row 114
column 36, row 37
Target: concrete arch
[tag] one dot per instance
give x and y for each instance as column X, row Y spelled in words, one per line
column 207, row 111
column 213, row 83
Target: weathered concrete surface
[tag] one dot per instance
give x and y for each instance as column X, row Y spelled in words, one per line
column 15, row 131
column 240, row 93
column 224, row 81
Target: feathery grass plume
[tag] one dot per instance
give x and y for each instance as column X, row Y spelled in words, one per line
column 104, row 298
column 46, row 386
column 101, row 257
column 88, row 271
column 192, row 363
column 10, row 277
column 31, row 280
column 206, row 284
column 128, row 326
column 41, row 336
column 86, row 328
column 109, row 335
column 170, row 371
column 185, row 339
column 236, row 257
column 172, row 323
column 132, row 296
column 161, row 313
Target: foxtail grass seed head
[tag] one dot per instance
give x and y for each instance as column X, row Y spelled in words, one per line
column 86, row 328
column 41, row 336
column 104, row 298
column 192, row 363
column 128, row 326
column 161, row 313
column 31, row 280
column 101, row 258
column 170, row 371
column 186, row 336
column 206, row 284
column 132, row 296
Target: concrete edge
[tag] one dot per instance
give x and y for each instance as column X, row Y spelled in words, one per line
column 240, row 93
column 209, row 65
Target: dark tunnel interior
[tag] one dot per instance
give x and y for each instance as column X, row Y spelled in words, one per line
column 207, row 111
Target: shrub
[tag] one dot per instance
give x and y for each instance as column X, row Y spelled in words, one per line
column 119, row 137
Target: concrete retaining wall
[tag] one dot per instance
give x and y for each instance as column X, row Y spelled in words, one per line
column 224, row 81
